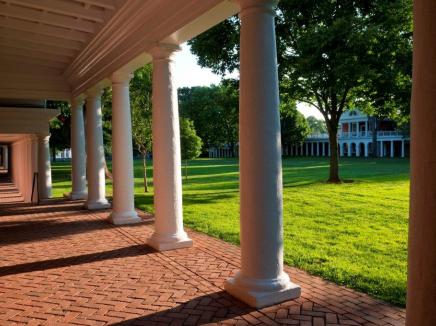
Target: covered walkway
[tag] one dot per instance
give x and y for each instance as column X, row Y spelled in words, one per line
column 62, row 264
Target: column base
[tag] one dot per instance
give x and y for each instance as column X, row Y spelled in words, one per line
column 259, row 293
column 171, row 242
column 75, row 195
column 99, row 204
column 124, row 218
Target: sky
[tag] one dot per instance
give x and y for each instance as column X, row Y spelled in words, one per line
column 188, row 74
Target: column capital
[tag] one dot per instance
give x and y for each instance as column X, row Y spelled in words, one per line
column 257, row 6
column 77, row 102
column 121, row 77
column 164, row 51
column 94, row 92
column 44, row 138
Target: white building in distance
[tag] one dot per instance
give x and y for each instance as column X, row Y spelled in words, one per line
column 356, row 138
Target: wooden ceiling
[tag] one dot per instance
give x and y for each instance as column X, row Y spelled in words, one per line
column 49, row 33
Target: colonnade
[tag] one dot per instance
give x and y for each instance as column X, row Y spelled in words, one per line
column 261, row 280
column 385, row 148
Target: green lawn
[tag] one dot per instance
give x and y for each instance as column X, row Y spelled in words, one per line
column 354, row 234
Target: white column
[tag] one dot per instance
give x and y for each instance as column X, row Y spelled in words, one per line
column 95, row 152
column 301, row 149
column 366, row 149
column 349, row 149
column 123, row 203
column 357, row 149
column 402, row 149
column 44, row 167
column 307, row 149
column 323, row 149
column 78, row 159
column 312, row 149
column 382, row 149
column 392, row 149
column 167, row 178
column 341, row 149
column 261, row 280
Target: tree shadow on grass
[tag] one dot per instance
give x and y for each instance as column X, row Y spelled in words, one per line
column 210, row 308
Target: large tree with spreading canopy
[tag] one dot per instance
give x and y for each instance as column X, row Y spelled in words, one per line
column 333, row 55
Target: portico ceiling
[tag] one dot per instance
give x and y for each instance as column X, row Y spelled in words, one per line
column 51, row 49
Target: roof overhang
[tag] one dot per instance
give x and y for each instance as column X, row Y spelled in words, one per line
column 56, row 49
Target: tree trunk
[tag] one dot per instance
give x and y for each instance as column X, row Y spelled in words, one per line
column 53, row 154
column 186, row 169
column 144, row 166
column 334, row 156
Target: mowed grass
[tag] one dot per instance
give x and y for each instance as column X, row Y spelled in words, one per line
column 354, row 234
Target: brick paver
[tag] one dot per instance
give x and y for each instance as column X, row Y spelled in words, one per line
column 61, row 264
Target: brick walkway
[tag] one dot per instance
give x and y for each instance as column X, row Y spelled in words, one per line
column 61, row 265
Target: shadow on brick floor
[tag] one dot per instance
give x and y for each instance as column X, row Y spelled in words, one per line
column 211, row 308
column 130, row 251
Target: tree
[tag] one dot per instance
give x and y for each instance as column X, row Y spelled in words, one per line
column 316, row 126
column 331, row 55
column 214, row 112
column 140, row 91
column 294, row 126
column 60, row 127
column 190, row 143
column 106, row 111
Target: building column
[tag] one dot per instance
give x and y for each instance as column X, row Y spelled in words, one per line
column 392, row 149
column 44, row 167
column 123, row 203
column 366, row 149
column 323, row 149
column 167, row 179
column 421, row 287
column 382, row 149
column 307, row 148
column 349, row 149
column 357, row 149
column 261, row 280
column 78, row 159
column 341, row 149
column 95, row 152
column 402, row 149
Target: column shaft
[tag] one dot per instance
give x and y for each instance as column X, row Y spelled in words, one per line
column 392, row 149
column 78, row 159
column 95, row 153
column 421, row 288
column 123, row 203
column 44, row 167
column 261, row 280
column 167, row 178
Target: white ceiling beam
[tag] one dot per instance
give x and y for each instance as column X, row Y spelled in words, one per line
column 42, row 40
column 36, row 28
column 48, row 18
column 6, row 58
column 67, row 8
column 106, row 4
column 34, row 54
column 30, row 46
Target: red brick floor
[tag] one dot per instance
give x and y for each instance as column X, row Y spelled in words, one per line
column 62, row 265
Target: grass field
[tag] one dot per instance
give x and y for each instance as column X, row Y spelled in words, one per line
column 354, row 234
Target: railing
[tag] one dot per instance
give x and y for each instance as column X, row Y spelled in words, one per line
column 318, row 136
column 355, row 134
column 388, row 133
